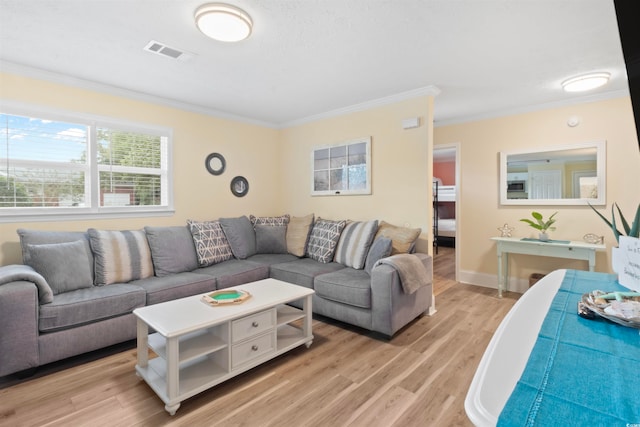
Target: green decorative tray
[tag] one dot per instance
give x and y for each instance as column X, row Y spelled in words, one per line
column 226, row 296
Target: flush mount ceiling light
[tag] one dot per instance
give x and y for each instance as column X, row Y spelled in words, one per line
column 585, row 82
column 223, row 22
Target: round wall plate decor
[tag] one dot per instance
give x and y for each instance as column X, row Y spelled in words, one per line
column 215, row 163
column 239, row 186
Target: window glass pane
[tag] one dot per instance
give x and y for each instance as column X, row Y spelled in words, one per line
column 41, row 187
column 129, row 189
column 122, row 148
column 338, row 156
column 338, row 179
column 42, row 162
column 358, row 154
column 25, row 138
column 321, row 159
column 357, row 177
column 321, row 181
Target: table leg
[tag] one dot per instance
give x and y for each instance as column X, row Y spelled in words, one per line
column 500, row 273
column 142, row 341
column 172, row 374
column 592, row 261
column 306, row 305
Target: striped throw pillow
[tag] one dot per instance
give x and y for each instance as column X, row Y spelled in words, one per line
column 120, row 256
column 354, row 243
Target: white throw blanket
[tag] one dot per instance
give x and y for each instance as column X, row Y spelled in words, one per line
column 413, row 274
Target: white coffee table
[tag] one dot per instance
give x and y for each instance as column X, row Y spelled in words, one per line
column 199, row 346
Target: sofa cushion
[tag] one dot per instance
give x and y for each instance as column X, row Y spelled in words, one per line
column 381, row 248
column 90, row 305
column 270, row 220
column 235, row 272
column 298, row 234
column 324, row 239
column 37, row 237
column 354, row 243
column 120, row 256
column 241, row 236
column 302, row 271
column 65, row 266
column 347, row 286
column 403, row 238
column 270, row 259
column 210, row 242
column 174, row 286
column 172, row 249
column 271, row 239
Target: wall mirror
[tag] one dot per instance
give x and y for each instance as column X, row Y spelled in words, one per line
column 563, row 175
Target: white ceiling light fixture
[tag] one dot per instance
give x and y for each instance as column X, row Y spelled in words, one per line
column 586, row 82
column 223, row 22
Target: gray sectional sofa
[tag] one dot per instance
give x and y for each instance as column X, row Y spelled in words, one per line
column 75, row 291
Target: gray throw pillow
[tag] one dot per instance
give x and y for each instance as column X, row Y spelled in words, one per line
column 241, row 236
column 324, row 239
column 211, row 244
column 271, row 239
column 381, row 248
column 65, row 266
column 172, row 249
column 39, row 237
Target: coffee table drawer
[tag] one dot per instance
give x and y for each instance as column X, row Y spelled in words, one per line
column 252, row 349
column 253, row 325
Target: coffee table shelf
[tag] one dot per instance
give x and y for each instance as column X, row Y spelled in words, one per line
column 199, row 346
column 192, row 345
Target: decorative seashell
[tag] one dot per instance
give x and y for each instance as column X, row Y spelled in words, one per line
column 593, row 238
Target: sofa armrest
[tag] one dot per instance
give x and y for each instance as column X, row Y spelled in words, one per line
column 18, row 327
column 391, row 307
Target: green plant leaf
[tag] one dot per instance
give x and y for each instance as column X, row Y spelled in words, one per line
column 625, row 224
column 635, row 226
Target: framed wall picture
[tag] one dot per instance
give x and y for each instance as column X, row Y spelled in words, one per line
column 342, row 169
column 239, row 186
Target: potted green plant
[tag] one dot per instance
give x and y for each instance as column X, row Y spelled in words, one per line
column 540, row 224
column 632, row 231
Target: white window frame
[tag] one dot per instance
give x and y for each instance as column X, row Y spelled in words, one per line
column 92, row 192
column 343, row 191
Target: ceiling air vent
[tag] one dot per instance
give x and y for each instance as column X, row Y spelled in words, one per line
column 167, row 51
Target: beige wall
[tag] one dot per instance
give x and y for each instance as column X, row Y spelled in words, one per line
column 249, row 151
column 480, row 211
column 277, row 165
column 401, row 166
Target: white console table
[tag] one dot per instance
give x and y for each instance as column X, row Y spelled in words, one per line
column 572, row 250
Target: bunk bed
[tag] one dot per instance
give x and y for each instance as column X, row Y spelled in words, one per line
column 444, row 214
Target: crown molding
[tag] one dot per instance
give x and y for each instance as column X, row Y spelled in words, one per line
column 532, row 108
column 402, row 96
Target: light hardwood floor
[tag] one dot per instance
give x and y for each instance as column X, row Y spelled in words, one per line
column 348, row 377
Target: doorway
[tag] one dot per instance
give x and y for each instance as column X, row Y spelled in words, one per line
column 446, row 212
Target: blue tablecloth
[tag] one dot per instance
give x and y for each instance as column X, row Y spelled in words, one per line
column 580, row 372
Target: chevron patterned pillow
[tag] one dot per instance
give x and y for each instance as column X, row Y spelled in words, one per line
column 324, row 239
column 211, row 243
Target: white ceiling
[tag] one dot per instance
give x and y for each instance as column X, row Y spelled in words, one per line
column 310, row 58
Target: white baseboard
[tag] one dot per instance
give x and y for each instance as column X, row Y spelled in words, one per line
column 491, row 281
